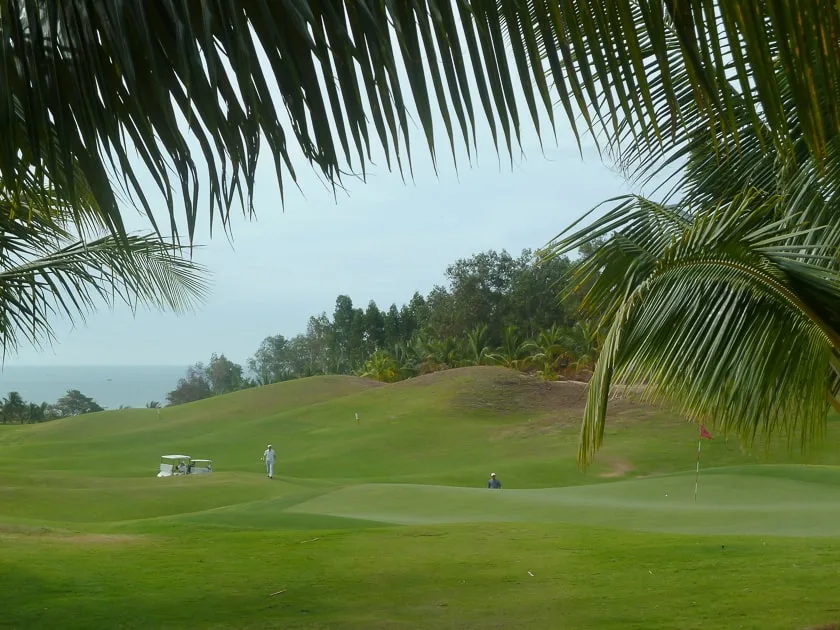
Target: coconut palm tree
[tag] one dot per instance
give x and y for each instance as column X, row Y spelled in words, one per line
column 439, row 354
column 583, row 344
column 14, row 408
column 381, row 366
column 38, row 413
column 409, row 358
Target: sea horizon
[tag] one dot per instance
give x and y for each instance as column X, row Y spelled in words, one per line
column 111, row 386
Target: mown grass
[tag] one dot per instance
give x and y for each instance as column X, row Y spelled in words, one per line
column 386, row 523
column 461, row 576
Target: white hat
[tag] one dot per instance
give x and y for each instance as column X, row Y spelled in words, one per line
column 492, row 474
column 269, row 446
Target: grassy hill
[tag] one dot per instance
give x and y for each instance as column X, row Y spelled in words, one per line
column 387, row 523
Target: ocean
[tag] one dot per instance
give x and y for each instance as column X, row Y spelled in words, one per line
column 110, row 386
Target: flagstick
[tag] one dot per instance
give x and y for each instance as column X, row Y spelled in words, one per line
column 697, row 478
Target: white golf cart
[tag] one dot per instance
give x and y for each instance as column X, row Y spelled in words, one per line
column 171, row 465
column 200, row 466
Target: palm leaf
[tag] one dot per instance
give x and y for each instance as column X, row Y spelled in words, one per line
column 48, row 269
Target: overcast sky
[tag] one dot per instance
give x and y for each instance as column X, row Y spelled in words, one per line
column 382, row 240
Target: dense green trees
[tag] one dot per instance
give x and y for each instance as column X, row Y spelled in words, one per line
column 15, row 410
column 496, row 309
column 75, row 403
column 219, row 376
column 492, row 310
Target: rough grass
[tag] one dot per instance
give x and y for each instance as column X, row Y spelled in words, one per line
column 387, row 524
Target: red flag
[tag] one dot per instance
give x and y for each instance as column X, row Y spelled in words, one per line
column 705, row 434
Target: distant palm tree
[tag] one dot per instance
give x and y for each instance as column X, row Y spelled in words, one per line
column 551, row 349
column 407, row 358
column 582, row 342
column 439, row 354
column 153, row 404
column 38, row 413
column 15, row 408
column 478, row 346
column 381, row 366
column 515, row 352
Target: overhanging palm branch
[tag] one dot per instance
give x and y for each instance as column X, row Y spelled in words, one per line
column 707, row 311
column 740, row 259
column 91, row 81
column 48, row 270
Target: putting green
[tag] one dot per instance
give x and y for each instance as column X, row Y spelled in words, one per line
column 728, row 503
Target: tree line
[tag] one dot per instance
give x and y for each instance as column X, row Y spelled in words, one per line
column 15, row 410
column 495, row 309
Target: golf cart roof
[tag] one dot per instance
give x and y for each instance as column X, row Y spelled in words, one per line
column 202, row 460
column 174, row 456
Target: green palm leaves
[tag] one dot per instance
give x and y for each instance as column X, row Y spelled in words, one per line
column 195, row 86
column 213, row 85
column 708, row 311
column 50, row 268
column 722, row 299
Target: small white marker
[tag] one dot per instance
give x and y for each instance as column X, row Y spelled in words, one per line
column 531, row 574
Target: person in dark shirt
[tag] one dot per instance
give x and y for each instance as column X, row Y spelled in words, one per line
column 494, row 483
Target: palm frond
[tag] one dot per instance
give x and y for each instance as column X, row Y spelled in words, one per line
column 214, row 85
column 91, row 82
column 710, row 314
column 48, row 270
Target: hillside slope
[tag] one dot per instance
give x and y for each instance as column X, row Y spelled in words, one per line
column 445, row 429
column 388, row 524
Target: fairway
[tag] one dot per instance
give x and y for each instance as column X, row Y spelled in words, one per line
column 387, row 523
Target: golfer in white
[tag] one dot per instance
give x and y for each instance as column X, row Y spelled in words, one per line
column 268, row 458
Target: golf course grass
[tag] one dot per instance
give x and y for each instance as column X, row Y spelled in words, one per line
column 387, row 523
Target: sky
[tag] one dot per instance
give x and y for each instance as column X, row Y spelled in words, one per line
column 382, row 239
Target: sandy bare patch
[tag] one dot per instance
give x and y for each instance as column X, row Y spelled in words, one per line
column 12, row 532
column 503, row 391
column 617, row 468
